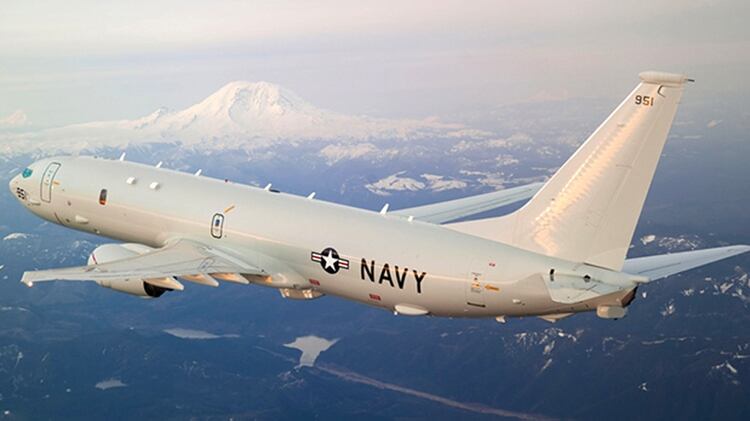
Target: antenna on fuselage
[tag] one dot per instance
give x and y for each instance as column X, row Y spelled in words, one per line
column 122, row 157
column 268, row 187
column 197, row 173
column 385, row 209
column 159, row 164
column 311, row 196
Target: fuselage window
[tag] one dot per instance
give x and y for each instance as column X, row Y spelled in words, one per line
column 103, row 197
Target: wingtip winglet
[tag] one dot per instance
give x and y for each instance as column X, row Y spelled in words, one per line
column 738, row 249
column 25, row 279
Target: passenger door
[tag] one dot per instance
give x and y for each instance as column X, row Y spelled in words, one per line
column 48, row 178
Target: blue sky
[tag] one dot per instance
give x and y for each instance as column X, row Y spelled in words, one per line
column 74, row 61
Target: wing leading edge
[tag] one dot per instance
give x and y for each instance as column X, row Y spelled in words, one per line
column 439, row 213
column 187, row 259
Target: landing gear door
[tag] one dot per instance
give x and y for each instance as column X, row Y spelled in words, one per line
column 475, row 291
column 48, row 179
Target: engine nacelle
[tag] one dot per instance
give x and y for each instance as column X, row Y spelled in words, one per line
column 110, row 252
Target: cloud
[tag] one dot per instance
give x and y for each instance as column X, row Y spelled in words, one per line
column 196, row 334
column 111, row 383
column 15, row 236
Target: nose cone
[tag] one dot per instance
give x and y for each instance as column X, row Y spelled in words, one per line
column 22, row 186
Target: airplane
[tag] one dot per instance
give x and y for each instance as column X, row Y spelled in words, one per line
column 563, row 252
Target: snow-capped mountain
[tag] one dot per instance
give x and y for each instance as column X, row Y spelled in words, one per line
column 15, row 120
column 241, row 114
column 400, row 183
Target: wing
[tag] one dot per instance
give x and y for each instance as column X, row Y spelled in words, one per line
column 183, row 258
column 661, row 266
column 451, row 210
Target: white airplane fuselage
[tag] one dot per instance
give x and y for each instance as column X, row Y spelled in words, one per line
column 565, row 251
column 384, row 260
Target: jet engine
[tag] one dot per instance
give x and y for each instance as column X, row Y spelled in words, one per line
column 110, row 252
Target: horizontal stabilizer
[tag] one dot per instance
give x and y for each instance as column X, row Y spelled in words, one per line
column 663, row 265
column 439, row 213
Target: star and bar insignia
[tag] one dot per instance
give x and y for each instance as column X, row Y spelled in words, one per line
column 329, row 260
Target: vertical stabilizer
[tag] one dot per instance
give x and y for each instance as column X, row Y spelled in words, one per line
column 588, row 210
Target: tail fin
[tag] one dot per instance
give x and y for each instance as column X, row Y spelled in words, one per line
column 588, row 210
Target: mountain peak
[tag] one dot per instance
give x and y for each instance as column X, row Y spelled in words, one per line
column 243, row 87
column 248, row 85
column 17, row 119
column 243, row 106
column 243, row 98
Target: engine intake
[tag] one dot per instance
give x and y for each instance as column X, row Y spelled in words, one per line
column 111, row 252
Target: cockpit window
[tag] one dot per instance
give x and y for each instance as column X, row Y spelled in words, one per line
column 103, row 197
column 27, row 173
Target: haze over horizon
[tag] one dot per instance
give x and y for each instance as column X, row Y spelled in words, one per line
column 85, row 61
